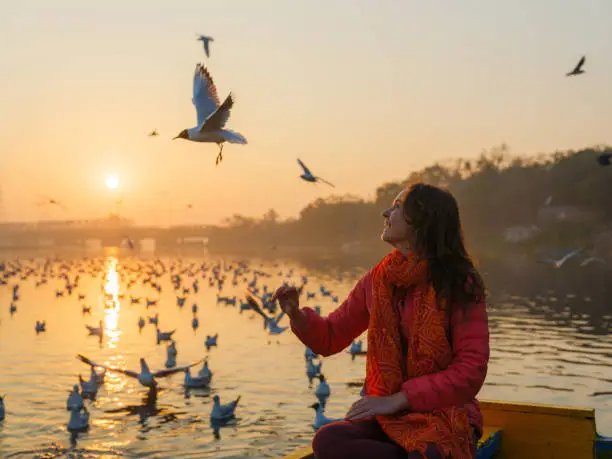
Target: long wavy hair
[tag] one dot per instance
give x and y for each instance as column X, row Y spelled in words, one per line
column 438, row 236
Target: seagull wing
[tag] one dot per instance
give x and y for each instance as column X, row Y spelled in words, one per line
column 325, row 181
column 255, row 306
column 84, row 359
column 206, row 49
column 217, row 120
column 580, row 64
column 171, row 371
column 306, row 170
column 205, row 96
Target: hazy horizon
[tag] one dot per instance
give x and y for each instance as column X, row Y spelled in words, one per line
column 363, row 92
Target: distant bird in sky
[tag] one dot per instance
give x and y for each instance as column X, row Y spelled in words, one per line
column 307, row 175
column 52, row 202
column 205, row 41
column 153, row 133
column 578, row 69
column 212, row 117
column 604, row 159
column 190, row 206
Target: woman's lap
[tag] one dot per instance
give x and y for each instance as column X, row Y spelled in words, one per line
column 362, row 439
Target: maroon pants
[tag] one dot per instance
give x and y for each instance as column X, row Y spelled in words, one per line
column 361, row 440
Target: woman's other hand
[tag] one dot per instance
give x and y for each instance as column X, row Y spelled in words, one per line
column 370, row 406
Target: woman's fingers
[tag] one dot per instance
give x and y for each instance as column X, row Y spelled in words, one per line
column 280, row 292
column 358, row 407
column 362, row 415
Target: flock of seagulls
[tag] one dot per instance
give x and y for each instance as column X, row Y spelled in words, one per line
column 185, row 279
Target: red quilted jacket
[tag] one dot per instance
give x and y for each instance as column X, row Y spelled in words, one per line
column 457, row 385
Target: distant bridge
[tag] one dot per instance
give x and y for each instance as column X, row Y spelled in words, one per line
column 37, row 235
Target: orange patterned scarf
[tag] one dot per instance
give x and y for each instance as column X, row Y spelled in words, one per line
column 428, row 351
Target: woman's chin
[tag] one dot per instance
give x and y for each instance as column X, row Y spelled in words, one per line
column 386, row 237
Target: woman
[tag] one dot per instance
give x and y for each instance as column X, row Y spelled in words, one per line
column 428, row 339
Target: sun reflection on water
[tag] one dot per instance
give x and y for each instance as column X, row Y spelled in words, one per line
column 112, row 307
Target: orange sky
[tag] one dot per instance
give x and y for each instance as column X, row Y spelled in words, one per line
column 362, row 91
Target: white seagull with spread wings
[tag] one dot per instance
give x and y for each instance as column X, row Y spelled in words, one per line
column 145, row 377
column 212, row 116
column 307, row 175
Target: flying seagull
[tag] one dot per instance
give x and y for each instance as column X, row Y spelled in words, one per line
column 146, row 377
column 561, row 261
column 205, row 41
column 604, row 159
column 153, row 133
column 578, row 69
column 307, row 175
column 51, row 201
column 212, row 117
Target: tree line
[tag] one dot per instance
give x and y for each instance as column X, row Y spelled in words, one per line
column 495, row 191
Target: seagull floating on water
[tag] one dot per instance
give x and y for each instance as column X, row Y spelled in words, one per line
column 40, row 326
column 79, row 420
column 205, row 42
column 211, row 341
column 199, row 382
column 320, row 418
column 578, row 69
column 223, row 412
column 205, row 371
column 323, row 390
column 307, row 175
column 211, row 115
column 163, row 336
column 96, row 331
column 75, row 401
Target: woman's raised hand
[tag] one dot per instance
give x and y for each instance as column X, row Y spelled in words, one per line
column 289, row 300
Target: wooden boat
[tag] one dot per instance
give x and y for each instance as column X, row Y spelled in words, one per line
column 532, row 431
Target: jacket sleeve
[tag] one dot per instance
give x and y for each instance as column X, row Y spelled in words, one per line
column 461, row 381
column 329, row 335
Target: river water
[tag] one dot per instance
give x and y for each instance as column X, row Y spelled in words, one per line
column 545, row 348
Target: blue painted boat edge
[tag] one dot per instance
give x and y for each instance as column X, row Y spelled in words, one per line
column 489, row 448
column 603, row 443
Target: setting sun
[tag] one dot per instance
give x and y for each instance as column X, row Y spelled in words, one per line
column 112, row 181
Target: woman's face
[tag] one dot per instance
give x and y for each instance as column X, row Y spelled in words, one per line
column 397, row 230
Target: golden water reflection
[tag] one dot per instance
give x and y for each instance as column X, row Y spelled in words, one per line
column 112, row 307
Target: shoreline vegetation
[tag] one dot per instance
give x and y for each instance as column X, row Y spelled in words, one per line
column 511, row 208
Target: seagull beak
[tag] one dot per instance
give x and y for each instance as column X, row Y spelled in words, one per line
column 174, row 138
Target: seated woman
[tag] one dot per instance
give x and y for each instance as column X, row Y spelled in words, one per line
column 424, row 309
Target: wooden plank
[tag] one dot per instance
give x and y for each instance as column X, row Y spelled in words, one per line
column 534, row 431
column 555, row 410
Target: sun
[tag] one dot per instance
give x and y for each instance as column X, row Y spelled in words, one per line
column 112, row 181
